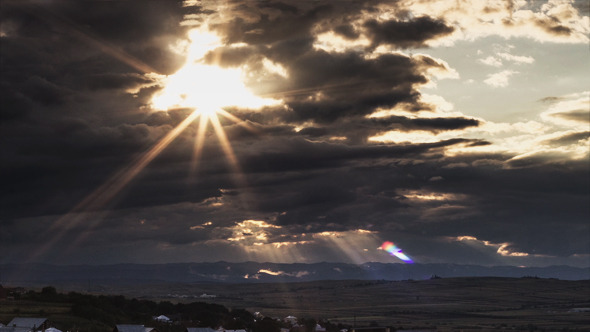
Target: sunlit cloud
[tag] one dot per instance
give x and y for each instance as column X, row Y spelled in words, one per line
column 496, row 61
column 516, row 58
column 499, row 80
column 297, row 274
column 491, row 61
column 251, row 232
column 261, row 272
column 554, row 21
column 201, row 226
column 502, row 249
column 207, row 87
column 289, row 243
column 331, row 42
column 571, row 111
column 544, row 136
column 432, row 196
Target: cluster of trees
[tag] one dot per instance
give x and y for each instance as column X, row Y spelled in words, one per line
column 103, row 312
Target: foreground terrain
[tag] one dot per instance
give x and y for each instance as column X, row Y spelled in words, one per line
column 449, row 304
column 454, row 303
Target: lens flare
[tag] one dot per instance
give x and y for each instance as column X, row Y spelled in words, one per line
column 393, row 250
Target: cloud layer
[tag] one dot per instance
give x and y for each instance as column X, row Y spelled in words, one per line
column 352, row 153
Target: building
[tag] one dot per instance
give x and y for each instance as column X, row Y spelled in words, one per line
column 200, row 329
column 53, row 329
column 133, row 328
column 162, row 319
column 371, row 329
column 26, row 324
column 290, row 319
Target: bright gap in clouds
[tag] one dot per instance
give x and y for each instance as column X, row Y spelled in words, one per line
column 205, row 87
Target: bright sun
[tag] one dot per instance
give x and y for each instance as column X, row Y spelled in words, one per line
column 207, row 88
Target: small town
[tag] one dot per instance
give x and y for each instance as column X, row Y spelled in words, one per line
column 118, row 314
column 32, row 324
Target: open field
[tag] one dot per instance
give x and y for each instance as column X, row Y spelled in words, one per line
column 448, row 304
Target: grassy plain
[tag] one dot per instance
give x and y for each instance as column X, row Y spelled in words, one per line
column 449, row 304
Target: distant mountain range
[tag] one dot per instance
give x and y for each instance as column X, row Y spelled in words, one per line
column 248, row 272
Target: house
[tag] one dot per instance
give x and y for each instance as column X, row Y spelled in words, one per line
column 290, row 319
column 14, row 329
column 200, row 329
column 370, row 329
column 52, row 329
column 222, row 329
column 133, row 328
column 162, row 319
column 26, row 324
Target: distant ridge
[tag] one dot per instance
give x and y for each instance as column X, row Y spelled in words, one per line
column 248, row 272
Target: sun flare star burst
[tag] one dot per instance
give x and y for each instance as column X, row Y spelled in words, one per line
column 207, row 88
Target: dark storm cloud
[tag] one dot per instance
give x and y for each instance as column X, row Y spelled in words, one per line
column 115, row 81
column 132, row 29
column 350, row 85
column 513, row 196
column 67, row 122
column 359, row 129
column 406, row 34
column 50, row 49
column 298, row 154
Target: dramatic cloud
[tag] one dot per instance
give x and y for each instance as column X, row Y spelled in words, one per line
column 294, row 131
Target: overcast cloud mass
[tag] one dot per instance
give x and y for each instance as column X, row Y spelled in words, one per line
column 459, row 130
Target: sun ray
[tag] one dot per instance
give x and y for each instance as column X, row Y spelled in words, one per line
column 238, row 121
column 199, row 143
column 106, row 192
column 225, row 145
column 90, row 39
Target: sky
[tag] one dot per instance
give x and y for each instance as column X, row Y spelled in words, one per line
column 295, row 131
